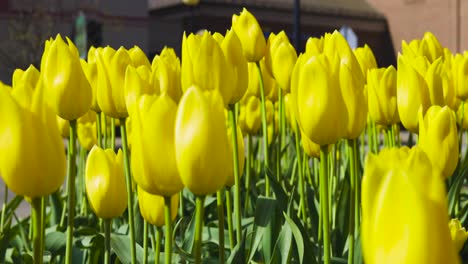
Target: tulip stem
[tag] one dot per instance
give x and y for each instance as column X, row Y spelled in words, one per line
column 352, row 152
column 71, row 171
column 219, row 196
column 280, row 134
column 301, row 176
column 324, row 202
column 5, row 200
column 107, row 238
column 157, row 249
column 128, row 179
column 235, row 154
column 199, row 214
column 264, row 130
column 145, row 242
column 248, row 172
column 168, row 223
column 229, row 217
column 460, row 132
column 112, row 133
column 38, row 229
column 98, row 129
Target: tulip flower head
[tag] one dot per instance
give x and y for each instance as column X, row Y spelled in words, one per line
column 152, row 207
column 382, row 97
column 166, row 70
column 250, row 34
column 280, row 58
column 240, row 155
column 458, row 234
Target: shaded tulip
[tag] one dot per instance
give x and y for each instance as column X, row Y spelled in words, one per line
column 138, row 57
column 32, row 156
column 438, row 137
column 382, row 96
column 458, row 234
column 250, row 34
column 310, row 148
column 317, row 93
column 290, row 111
column 460, row 75
column 64, row 127
column 240, row 155
column 280, row 58
column 90, row 71
column 111, row 66
column 86, row 130
column 433, row 49
column 105, row 182
column 152, row 207
column 401, row 182
column 434, row 77
column 366, row 59
column 201, row 143
column 137, row 83
column 68, row 90
column 153, row 128
column 204, row 65
column 250, row 115
column 412, row 94
column 253, row 88
column 166, row 69
column 462, row 116
column 30, row 77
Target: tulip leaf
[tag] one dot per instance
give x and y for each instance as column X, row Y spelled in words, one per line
column 55, row 242
column 357, row 250
column 282, row 249
column 120, row 244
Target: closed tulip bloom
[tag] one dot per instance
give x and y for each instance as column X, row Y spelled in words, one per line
column 28, row 77
column 310, row 148
column 463, row 123
column 138, row 57
column 204, row 65
column 152, row 207
column 434, row 77
column 201, row 143
column 67, row 88
column 280, row 59
column 401, row 182
column 64, row 127
column 86, row 130
column 137, row 83
column 272, row 120
column 314, row 45
column 412, row 94
column 250, row 115
column 153, row 128
column 166, row 69
column 460, row 75
column 382, row 97
column 240, row 155
column 90, row 71
column 111, row 78
column 366, row 59
column 433, row 49
column 317, row 93
column 290, row 111
column 105, row 182
column 250, row 34
column 458, row 234
column 438, row 137
column 32, row 156
column 253, row 88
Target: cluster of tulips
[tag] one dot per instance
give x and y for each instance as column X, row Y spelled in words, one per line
column 229, row 107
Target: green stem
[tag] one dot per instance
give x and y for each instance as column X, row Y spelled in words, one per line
column 237, row 206
column 5, row 200
column 105, row 138
column 324, row 204
column 229, row 218
column 38, row 230
column 98, row 129
column 220, row 202
column 168, row 223
column 248, row 172
column 352, row 149
column 112, row 133
column 84, row 201
column 460, row 131
column 199, row 215
column 107, row 239
column 71, row 190
column 396, row 135
column 280, row 133
column 128, row 179
column 157, row 249
column 145, row 241
column 264, row 130
column 301, row 175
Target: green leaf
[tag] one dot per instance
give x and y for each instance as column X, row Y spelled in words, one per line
column 283, row 245
column 55, row 242
column 121, row 246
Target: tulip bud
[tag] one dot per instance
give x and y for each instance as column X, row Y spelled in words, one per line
column 382, row 97
column 314, row 46
column 434, row 77
column 240, row 155
column 280, row 58
column 201, row 143
column 310, row 148
column 67, row 88
column 438, row 137
column 401, row 182
column 366, row 59
column 458, row 234
column 166, row 69
column 250, row 115
column 152, row 207
column 138, row 57
column 105, row 182
column 32, row 159
column 433, row 49
column 250, row 34
column 90, row 71
column 28, row 77
column 137, row 83
column 460, row 76
column 64, row 127
column 86, row 130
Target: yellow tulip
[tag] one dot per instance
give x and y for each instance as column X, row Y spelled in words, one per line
column 317, row 93
column 434, row 77
column 67, row 88
column 250, row 34
column 438, row 137
column 166, row 69
column 204, row 65
column 314, row 45
column 138, row 57
column 458, row 234
column 86, row 130
column 137, row 83
column 253, row 88
column 382, row 97
column 64, row 127
column 105, row 182
column 280, row 58
column 250, row 115
column 290, row 111
column 433, row 49
column 366, row 59
column 412, row 94
column 460, row 75
column 28, row 77
column 153, row 128
column 90, row 71
column 310, row 148
column 32, row 156
column 152, row 207
column 201, row 143
column 240, row 156
column 401, row 182
column 463, row 112
column 111, row 66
